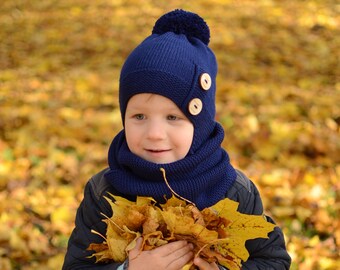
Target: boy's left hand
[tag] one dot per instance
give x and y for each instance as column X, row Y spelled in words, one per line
column 204, row 265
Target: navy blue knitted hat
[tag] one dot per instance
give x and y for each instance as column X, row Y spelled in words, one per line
column 176, row 62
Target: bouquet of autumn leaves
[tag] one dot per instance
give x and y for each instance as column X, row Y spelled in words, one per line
column 218, row 233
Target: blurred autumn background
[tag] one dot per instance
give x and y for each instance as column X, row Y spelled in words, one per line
column 278, row 100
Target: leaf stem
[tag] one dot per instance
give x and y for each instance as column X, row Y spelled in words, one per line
column 95, row 232
column 173, row 192
column 114, row 223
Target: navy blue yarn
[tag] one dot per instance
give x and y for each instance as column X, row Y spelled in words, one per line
column 169, row 63
column 183, row 22
column 203, row 177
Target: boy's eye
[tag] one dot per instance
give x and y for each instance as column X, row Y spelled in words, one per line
column 172, row 117
column 139, row 116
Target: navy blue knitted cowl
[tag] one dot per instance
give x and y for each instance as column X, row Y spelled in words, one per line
column 202, row 177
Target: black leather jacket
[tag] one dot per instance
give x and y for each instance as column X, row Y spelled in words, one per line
column 264, row 253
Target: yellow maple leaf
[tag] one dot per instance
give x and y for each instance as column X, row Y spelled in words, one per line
column 243, row 227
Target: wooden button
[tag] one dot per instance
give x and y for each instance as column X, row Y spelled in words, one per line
column 205, row 81
column 195, row 106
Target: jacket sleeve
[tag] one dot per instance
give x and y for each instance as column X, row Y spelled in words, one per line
column 264, row 254
column 88, row 217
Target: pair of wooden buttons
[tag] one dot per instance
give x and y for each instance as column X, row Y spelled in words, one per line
column 196, row 105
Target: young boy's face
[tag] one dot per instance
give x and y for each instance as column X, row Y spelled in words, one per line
column 156, row 129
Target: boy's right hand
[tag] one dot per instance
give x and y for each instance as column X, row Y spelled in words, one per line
column 172, row 256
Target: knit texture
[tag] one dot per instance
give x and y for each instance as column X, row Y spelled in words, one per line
column 203, row 178
column 183, row 22
column 169, row 63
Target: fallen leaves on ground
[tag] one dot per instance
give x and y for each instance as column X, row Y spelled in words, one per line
column 277, row 98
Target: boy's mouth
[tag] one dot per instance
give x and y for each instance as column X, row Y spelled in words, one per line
column 157, row 150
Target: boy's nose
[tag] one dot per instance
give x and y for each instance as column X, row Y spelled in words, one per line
column 156, row 131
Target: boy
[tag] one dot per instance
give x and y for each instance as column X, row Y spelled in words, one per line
column 167, row 101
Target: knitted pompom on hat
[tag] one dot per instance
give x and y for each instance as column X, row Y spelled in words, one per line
column 183, row 22
column 176, row 62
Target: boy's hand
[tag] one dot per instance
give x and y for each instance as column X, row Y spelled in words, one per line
column 172, row 256
column 204, row 265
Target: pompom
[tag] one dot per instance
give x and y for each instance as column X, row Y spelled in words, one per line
column 183, row 22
